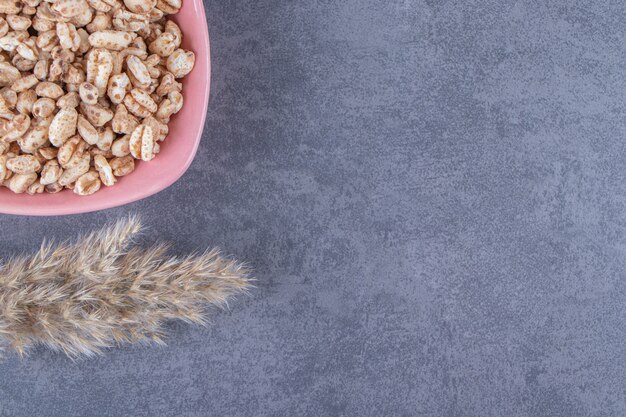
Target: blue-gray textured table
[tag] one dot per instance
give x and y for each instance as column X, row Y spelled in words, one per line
column 433, row 196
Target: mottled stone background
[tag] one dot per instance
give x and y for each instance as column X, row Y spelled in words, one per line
column 433, row 196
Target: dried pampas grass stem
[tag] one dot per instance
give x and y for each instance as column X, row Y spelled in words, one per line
column 102, row 291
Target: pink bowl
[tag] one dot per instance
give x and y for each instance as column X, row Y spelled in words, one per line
column 177, row 151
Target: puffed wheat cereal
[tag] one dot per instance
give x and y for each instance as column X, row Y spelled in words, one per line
column 87, row 87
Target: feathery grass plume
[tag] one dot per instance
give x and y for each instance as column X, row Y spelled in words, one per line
column 102, row 291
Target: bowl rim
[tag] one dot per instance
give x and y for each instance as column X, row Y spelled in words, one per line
column 87, row 207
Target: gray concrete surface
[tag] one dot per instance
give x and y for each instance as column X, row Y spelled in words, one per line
column 433, row 194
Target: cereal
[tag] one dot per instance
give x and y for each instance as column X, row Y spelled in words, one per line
column 9, row 96
column 11, row 40
column 71, row 174
column 99, row 5
column 87, row 87
column 48, row 89
column 87, row 131
column 27, row 49
column 43, row 107
column 100, row 22
column 106, row 139
column 41, row 69
column 83, row 18
column 128, row 21
column 35, row 188
column 19, row 23
column 99, row 68
column 19, row 183
column 34, row 139
column 23, row 164
column 140, row 6
column 24, row 83
column 142, row 143
column 115, row 40
column 70, row 99
column 123, row 122
column 88, row 183
column 139, row 71
column 43, row 122
column 88, row 93
column 180, row 63
column 105, row 170
column 97, row 114
column 121, row 147
column 164, row 45
column 70, row 8
column 122, row 166
column 5, row 112
column 68, row 36
column 3, row 168
column 41, row 24
column 118, row 86
column 63, row 126
column 169, row 6
column 50, row 173
column 53, row 188
column 49, row 152
column 71, row 151
column 16, row 128
column 25, row 101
